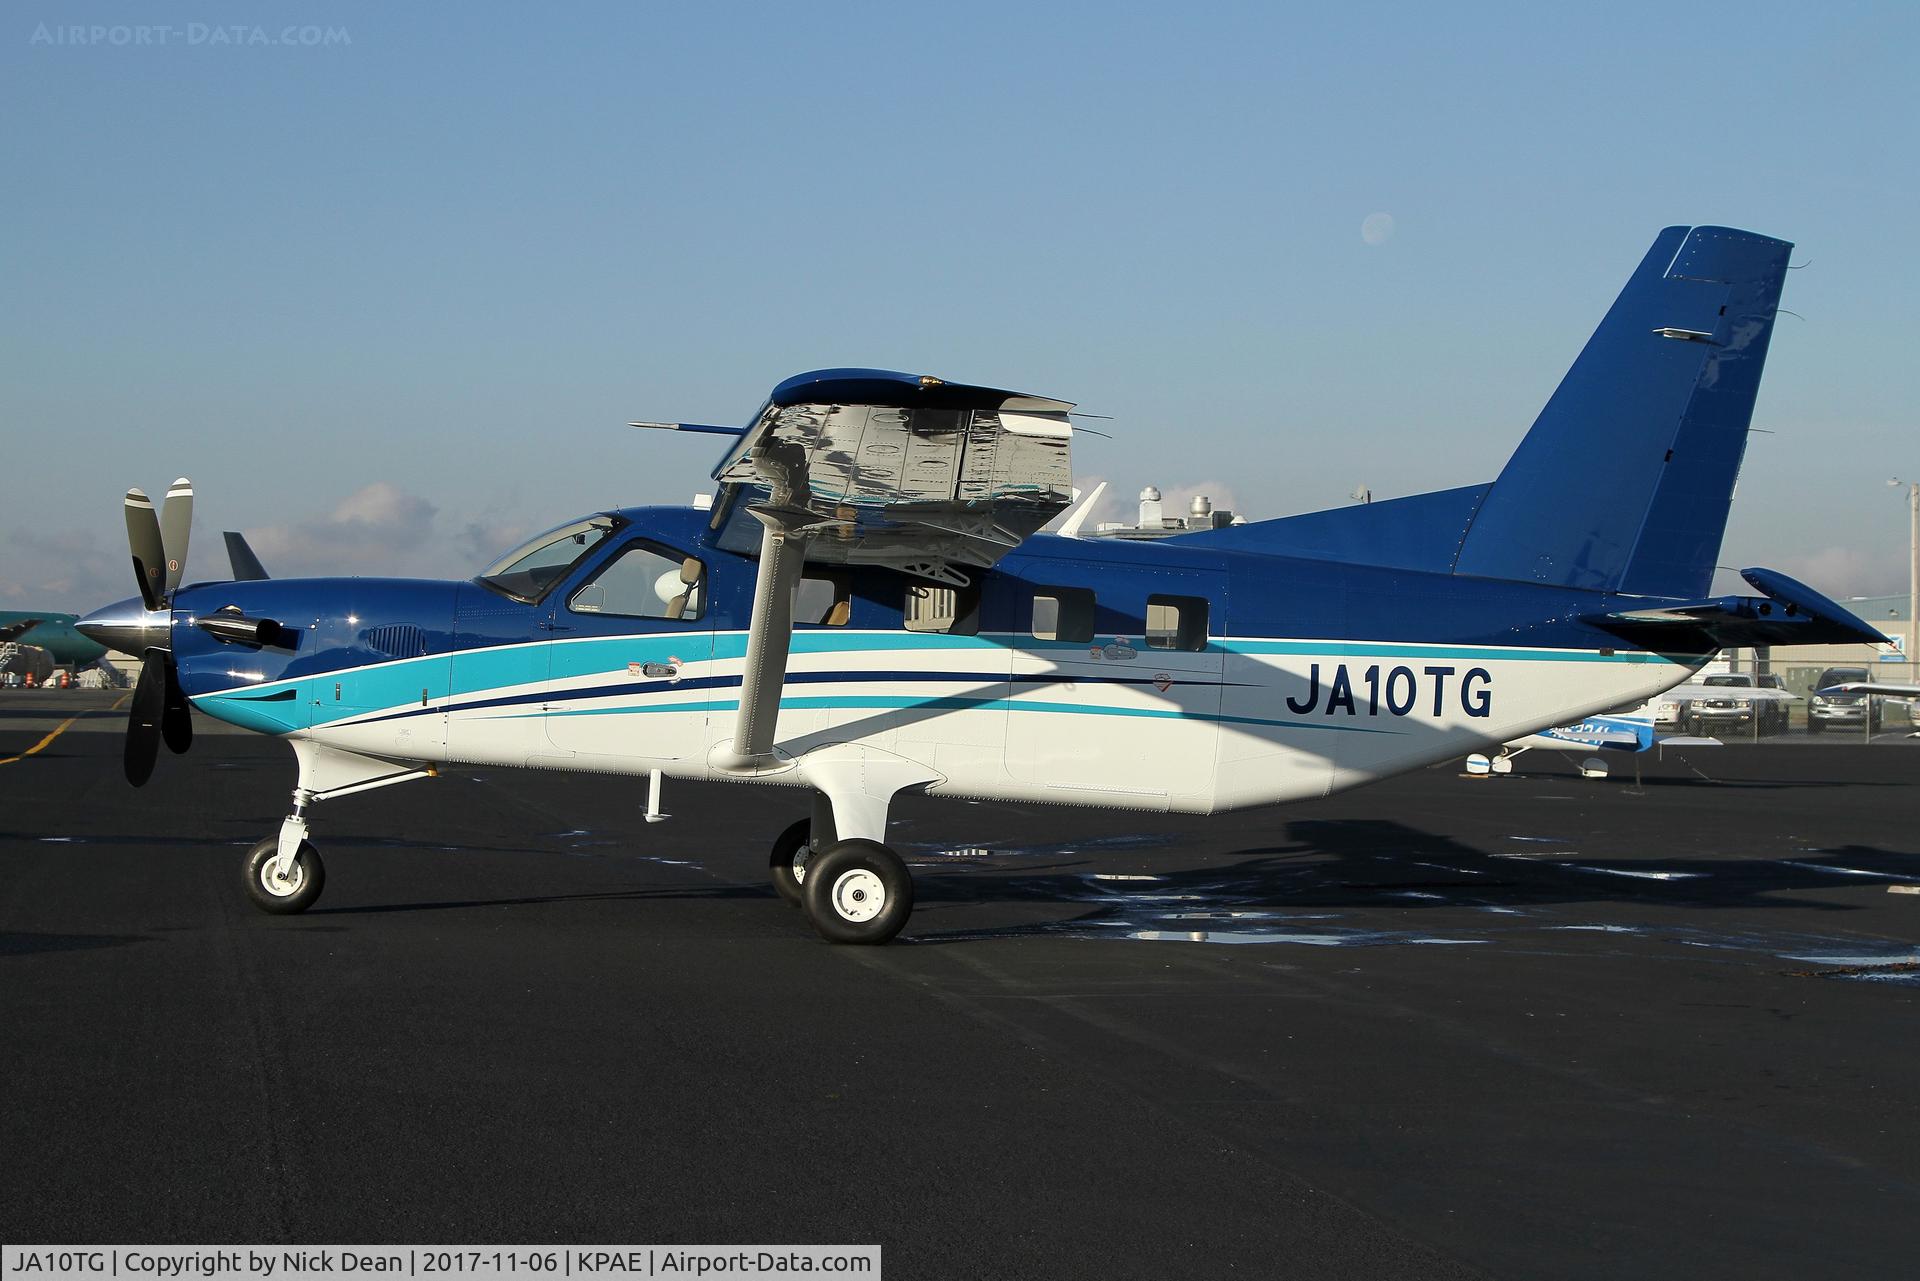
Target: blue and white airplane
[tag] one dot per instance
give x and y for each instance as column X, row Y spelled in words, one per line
column 1633, row 732
column 869, row 608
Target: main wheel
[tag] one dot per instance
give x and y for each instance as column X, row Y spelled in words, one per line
column 297, row 891
column 857, row 892
column 788, row 862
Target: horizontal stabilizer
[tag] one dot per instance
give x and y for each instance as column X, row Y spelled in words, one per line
column 1791, row 613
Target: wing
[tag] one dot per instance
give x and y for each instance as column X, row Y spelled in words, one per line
column 874, row 467
column 15, row 630
column 1887, row 688
column 904, row 470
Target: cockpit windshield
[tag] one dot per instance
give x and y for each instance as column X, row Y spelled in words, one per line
column 530, row 570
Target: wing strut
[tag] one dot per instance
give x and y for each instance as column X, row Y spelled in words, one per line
column 783, row 547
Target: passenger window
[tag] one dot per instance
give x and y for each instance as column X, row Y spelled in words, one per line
column 931, row 607
column 1176, row 622
column 824, row 599
column 1063, row 614
column 644, row 582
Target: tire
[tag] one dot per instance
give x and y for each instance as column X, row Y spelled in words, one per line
column 857, row 892
column 788, row 861
column 309, row 876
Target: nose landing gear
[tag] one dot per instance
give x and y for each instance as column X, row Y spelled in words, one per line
column 284, row 892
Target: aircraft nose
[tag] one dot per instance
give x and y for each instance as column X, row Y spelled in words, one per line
column 128, row 626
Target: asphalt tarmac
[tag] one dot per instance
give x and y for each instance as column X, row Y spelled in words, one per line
column 1521, row 1027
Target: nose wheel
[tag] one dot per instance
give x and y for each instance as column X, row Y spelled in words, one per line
column 284, row 893
column 857, row 892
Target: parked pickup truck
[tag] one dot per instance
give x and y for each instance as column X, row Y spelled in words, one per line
column 1734, row 714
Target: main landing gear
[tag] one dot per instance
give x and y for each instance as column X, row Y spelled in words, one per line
column 853, row 891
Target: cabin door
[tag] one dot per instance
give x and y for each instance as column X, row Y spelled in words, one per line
column 630, row 663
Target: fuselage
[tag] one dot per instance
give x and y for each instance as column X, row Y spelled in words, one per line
column 1162, row 676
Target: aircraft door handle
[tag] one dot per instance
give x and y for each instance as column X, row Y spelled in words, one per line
column 548, row 625
column 659, row 669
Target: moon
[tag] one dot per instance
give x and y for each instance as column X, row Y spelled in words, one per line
column 1377, row 228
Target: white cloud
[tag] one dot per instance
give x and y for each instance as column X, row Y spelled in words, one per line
column 377, row 529
column 1848, row 571
column 66, row 570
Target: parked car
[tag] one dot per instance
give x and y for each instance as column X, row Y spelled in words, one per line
column 1706, row 714
column 1839, row 710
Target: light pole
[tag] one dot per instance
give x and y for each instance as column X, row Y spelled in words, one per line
column 1913, row 575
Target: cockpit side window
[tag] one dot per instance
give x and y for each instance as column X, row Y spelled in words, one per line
column 531, row 570
column 645, row 581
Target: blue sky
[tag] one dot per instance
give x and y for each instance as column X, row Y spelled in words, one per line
column 389, row 299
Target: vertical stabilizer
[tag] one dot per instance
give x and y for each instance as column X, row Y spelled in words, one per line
column 1625, row 479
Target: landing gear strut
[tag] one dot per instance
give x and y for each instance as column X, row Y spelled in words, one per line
column 854, row 890
column 284, row 873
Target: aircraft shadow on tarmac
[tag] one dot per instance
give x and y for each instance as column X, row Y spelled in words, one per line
column 1327, row 868
column 1323, row 871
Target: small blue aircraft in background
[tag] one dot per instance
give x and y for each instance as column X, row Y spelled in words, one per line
column 869, row 607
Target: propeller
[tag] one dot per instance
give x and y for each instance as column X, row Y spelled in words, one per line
column 157, row 542
column 149, row 553
column 144, row 718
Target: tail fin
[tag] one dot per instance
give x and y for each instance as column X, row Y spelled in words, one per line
column 1625, row 479
column 246, row 566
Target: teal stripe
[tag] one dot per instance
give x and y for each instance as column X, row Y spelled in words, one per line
column 483, row 671
column 951, row 703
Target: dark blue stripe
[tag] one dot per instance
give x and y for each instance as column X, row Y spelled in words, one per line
column 793, row 678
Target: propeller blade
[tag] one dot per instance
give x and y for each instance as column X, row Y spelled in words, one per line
column 143, row 720
column 149, row 553
column 176, row 524
column 176, row 722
